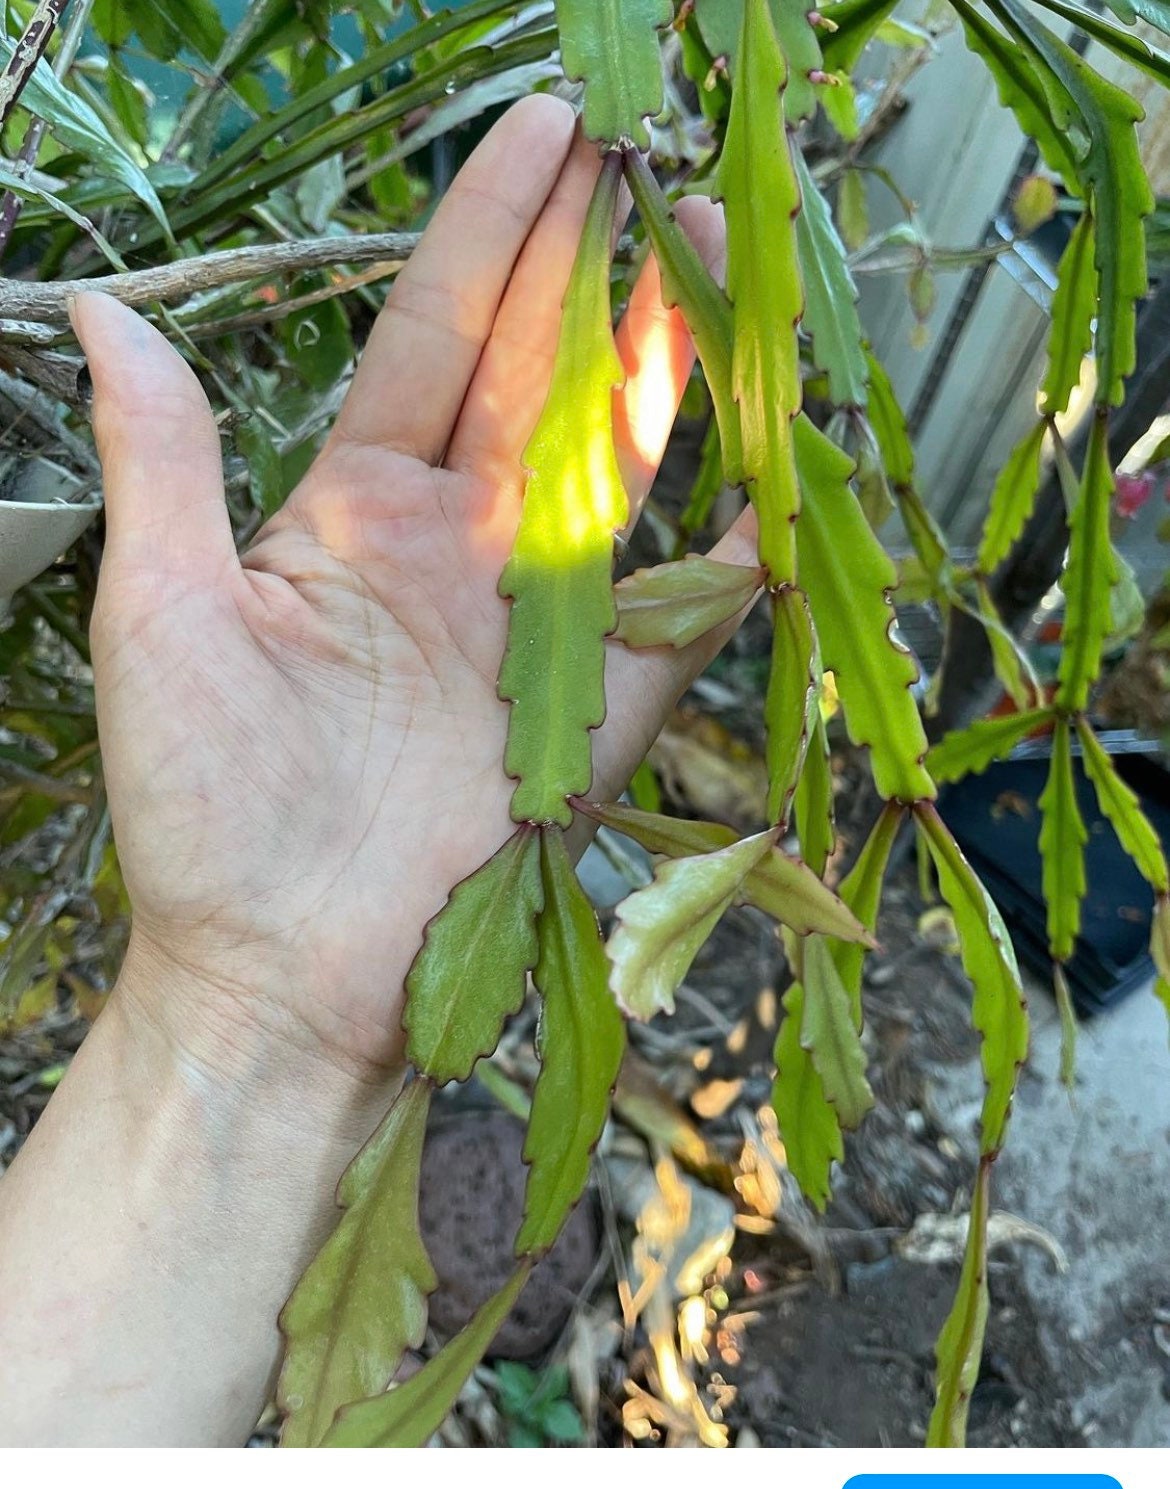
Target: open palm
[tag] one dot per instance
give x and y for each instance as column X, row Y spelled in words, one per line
column 303, row 744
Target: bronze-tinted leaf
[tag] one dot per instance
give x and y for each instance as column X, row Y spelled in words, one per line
column 676, row 603
column 780, row 885
column 581, row 1042
column 410, row 1414
column 362, row 1302
column 659, row 930
column 472, row 970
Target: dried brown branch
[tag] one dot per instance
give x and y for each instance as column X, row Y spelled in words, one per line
column 23, row 301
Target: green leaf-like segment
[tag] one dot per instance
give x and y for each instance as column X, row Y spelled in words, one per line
column 848, row 576
column 410, row 1414
column 1121, row 806
column 998, row 1011
column 1074, row 306
column 890, row 430
column 676, row 603
column 1157, row 12
column 968, row 751
column 1068, row 1027
column 720, row 23
column 1012, row 664
column 830, row 296
column 808, row 1123
column 960, row 1344
column 470, row 974
column 581, row 1042
column 1160, row 937
column 855, row 23
column 1012, row 500
column 612, row 47
column 861, row 890
column 659, row 930
column 779, row 885
column 812, row 802
column 1062, row 847
column 1089, row 575
column 362, row 1302
column 1022, row 90
column 832, row 1036
column 791, row 705
column 1114, row 180
column 559, row 573
column 687, row 284
column 757, row 182
column 1134, row 48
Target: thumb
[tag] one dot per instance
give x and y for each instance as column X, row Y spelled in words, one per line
column 159, row 447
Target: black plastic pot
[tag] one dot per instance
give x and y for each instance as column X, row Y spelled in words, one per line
column 996, row 819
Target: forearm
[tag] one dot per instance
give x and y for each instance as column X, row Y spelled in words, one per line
column 154, row 1224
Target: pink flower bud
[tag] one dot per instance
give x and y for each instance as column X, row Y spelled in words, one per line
column 1132, row 493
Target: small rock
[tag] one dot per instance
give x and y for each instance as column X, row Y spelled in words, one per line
column 470, row 1209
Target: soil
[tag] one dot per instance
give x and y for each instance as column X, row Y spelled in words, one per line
column 848, row 1360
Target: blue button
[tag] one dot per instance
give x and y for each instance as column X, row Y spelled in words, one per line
column 983, row 1481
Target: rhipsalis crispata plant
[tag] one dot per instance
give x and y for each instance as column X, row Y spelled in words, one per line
column 787, row 317
column 806, row 422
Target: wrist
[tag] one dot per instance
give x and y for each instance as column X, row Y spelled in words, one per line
column 223, row 1044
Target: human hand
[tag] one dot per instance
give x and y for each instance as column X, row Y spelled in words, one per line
column 303, row 745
